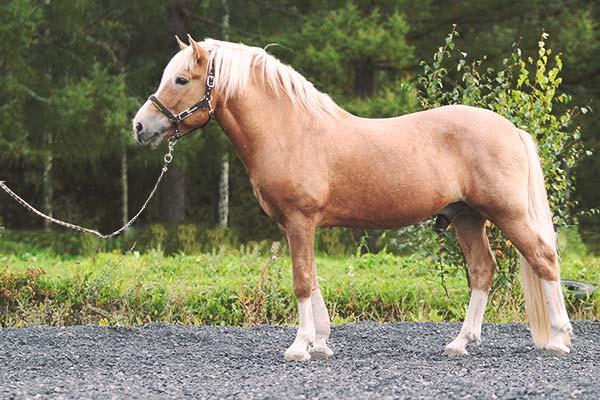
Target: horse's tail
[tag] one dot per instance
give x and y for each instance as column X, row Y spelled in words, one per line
column 541, row 217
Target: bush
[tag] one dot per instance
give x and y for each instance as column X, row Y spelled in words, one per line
column 525, row 90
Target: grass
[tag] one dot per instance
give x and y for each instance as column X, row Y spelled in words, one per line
column 247, row 287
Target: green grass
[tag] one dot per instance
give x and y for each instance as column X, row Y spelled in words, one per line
column 246, row 287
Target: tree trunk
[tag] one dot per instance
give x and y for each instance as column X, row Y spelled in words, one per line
column 223, row 202
column 225, row 20
column 172, row 188
column 172, row 196
column 178, row 21
column 47, row 181
column 124, row 187
column 224, row 191
column 364, row 78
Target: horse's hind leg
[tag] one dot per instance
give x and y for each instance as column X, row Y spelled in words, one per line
column 548, row 318
column 470, row 229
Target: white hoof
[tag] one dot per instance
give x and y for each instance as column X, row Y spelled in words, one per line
column 296, row 355
column 558, row 348
column 453, row 349
column 559, row 343
column 458, row 346
column 320, row 352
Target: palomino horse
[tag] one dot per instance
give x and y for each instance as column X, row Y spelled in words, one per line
column 313, row 165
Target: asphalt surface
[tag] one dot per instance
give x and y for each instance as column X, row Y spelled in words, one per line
column 370, row 361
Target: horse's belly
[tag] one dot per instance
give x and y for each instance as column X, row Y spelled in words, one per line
column 383, row 208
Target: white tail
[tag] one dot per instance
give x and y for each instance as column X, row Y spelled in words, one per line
column 541, row 217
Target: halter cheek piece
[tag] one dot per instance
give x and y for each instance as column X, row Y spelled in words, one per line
column 203, row 104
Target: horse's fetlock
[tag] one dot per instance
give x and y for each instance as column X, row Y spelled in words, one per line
column 306, row 335
column 472, row 337
column 564, row 328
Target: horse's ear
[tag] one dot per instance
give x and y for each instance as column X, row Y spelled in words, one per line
column 199, row 52
column 180, row 43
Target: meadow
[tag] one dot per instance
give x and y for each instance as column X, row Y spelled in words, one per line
column 251, row 285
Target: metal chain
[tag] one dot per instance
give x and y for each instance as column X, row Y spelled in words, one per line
column 167, row 160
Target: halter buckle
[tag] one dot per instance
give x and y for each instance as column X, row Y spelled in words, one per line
column 186, row 113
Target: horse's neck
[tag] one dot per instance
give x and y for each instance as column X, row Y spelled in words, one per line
column 257, row 124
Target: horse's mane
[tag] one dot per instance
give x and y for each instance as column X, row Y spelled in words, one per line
column 234, row 64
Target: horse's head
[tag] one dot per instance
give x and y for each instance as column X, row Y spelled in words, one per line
column 183, row 101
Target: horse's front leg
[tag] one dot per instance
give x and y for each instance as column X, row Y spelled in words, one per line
column 320, row 348
column 301, row 236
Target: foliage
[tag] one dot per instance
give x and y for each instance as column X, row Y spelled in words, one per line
column 395, row 99
column 95, row 108
column 187, row 235
column 344, row 47
column 168, row 239
column 18, row 22
column 525, row 91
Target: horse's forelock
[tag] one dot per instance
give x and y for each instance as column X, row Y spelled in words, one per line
column 182, row 61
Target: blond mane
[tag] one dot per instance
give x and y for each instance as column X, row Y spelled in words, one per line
column 234, row 64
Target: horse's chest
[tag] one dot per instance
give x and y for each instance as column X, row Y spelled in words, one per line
column 280, row 196
column 268, row 197
column 267, row 206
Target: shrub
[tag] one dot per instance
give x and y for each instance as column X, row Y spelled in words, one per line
column 525, row 90
column 187, row 236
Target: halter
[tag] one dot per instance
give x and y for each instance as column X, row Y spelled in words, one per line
column 203, row 104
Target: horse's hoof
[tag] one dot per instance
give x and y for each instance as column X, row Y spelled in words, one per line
column 557, row 346
column 560, row 343
column 296, row 355
column 320, row 352
column 454, row 350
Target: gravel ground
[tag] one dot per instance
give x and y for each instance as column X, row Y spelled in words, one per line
column 371, row 361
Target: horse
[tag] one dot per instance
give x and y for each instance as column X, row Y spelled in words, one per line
column 312, row 165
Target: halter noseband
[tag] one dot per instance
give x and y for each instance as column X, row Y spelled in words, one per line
column 203, row 104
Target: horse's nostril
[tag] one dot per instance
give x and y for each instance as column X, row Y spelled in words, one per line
column 139, row 127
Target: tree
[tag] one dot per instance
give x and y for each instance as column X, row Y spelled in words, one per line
column 223, row 203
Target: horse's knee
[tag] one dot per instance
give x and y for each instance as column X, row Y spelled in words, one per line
column 303, row 285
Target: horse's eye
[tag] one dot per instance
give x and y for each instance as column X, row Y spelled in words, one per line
column 181, row 80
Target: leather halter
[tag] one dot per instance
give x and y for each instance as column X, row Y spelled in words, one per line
column 203, row 104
